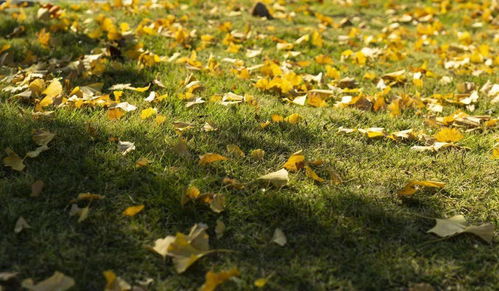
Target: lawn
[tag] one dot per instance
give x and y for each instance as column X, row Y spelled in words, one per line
column 207, row 77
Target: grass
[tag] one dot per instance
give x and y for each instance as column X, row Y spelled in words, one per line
column 355, row 235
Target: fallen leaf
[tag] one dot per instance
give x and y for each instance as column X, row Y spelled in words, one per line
column 257, row 154
column 84, row 214
column 13, row 160
column 21, row 224
column 312, row 175
column 219, row 228
column 413, row 186
column 57, row 282
column 217, row 204
column 185, row 249
column 142, row 162
column 37, row 151
column 43, row 137
column 6, row 276
column 278, row 178
column 448, row 135
column 211, row 158
column 279, row 237
column 295, row 162
column 192, row 193
column 115, row 283
column 89, row 197
column 125, row 147
column 133, row 210
column 37, row 188
column 115, row 113
column 214, row 279
column 235, row 151
column 148, row 112
column 457, row 225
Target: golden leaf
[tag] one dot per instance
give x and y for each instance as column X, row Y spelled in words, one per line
column 214, row 279
column 211, row 158
column 115, row 283
column 115, row 113
column 412, row 187
column 191, row 193
column 295, row 162
column 146, row 113
column 133, row 210
column 142, row 162
column 312, row 175
column 448, row 135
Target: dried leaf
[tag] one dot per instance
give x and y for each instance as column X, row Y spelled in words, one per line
column 21, row 224
column 312, row 175
column 257, row 154
column 235, row 151
column 125, row 147
column 37, row 188
column 457, row 225
column 43, row 137
column 279, row 237
column 278, row 178
column 58, row 281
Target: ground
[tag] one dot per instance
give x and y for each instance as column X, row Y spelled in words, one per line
column 349, row 228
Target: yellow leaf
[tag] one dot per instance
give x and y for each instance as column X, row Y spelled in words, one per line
column 54, row 89
column 44, row 38
column 257, row 154
column 277, row 118
column 219, row 228
column 312, row 175
column 37, row 86
column 293, row 118
column 495, row 153
column 191, row 193
column 185, row 249
column 259, row 283
column 13, row 161
column 316, row 100
column 317, row 39
column 448, row 135
column 412, row 187
column 295, row 162
column 146, row 113
column 115, row 113
column 133, row 210
column 214, row 279
column 210, row 158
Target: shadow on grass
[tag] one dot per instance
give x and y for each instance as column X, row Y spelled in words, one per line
column 337, row 237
